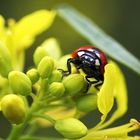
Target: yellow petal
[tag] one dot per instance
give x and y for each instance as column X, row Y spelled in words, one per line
column 52, row 47
column 105, row 96
column 30, row 26
column 115, row 132
column 120, row 94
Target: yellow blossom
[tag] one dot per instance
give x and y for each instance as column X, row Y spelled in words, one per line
column 57, row 98
column 20, row 35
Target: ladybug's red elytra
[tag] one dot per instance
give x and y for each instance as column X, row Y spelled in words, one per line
column 92, row 61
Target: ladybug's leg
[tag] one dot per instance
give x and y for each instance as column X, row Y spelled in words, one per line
column 79, row 66
column 69, row 61
column 91, row 76
column 87, row 87
column 96, row 82
column 68, row 72
column 98, row 85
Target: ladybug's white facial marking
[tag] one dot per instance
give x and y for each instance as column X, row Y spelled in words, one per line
column 80, row 53
column 91, row 50
column 97, row 63
column 98, row 55
column 86, row 57
column 91, row 59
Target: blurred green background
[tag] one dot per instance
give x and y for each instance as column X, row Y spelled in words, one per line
column 119, row 18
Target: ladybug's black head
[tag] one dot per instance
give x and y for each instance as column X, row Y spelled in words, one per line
column 89, row 62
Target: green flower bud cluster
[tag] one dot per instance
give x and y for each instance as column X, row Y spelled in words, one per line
column 51, row 78
column 51, row 85
column 58, row 85
column 56, row 98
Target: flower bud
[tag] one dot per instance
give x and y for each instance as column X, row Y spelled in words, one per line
column 20, row 83
column 39, row 53
column 56, row 76
column 44, row 83
column 5, row 61
column 74, row 84
column 33, row 75
column 13, row 108
column 45, row 67
column 71, row 128
column 3, row 84
column 56, row 89
column 87, row 103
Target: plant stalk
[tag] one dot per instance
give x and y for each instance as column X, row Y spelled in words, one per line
column 18, row 129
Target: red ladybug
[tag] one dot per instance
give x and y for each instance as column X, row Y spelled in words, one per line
column 92, row 61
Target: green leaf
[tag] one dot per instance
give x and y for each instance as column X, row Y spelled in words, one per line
column 39, row 138
column 97, row 37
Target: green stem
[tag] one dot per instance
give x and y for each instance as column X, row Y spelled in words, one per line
column 45, row 116
column 18, row 129
column 40, row 138
column 32, row 128
column 79, row 114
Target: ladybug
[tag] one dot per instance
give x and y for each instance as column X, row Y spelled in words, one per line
column 92, row 61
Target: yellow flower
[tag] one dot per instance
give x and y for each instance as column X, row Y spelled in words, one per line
column 118, row 133
column 20, row 35
column 114, row 87
column 66, row 101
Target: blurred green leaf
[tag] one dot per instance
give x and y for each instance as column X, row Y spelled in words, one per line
column 39, row 138
column 97, row 37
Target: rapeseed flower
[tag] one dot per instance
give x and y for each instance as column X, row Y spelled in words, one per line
column 57, row 101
